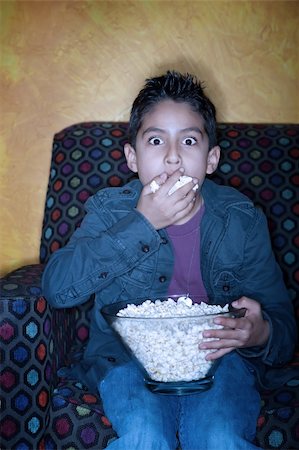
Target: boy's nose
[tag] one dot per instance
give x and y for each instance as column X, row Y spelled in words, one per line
column 173, row 157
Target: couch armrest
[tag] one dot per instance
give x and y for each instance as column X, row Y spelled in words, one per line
column 34, row 339
column 22, row 283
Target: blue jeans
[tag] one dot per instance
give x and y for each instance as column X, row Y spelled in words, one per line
column 222, row 418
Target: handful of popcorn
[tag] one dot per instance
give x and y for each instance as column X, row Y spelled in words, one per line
column 184, row 179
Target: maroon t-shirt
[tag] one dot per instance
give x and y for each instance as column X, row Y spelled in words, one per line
column 186, row 277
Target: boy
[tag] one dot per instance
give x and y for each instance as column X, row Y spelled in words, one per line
column 206, row 241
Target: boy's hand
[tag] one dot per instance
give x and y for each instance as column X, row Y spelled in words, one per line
column 248, row 331
column 162, row 209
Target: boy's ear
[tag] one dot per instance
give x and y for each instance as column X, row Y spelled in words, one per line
column 131, row 158
column 213, row 159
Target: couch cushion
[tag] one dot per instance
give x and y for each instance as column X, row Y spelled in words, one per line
column 77, row 418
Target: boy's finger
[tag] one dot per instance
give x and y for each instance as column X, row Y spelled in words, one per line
column 172, row 179
column 156, row 183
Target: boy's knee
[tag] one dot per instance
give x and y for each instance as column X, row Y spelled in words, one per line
column 219, row 435
column 139, row 438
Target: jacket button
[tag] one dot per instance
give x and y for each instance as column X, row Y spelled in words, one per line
column 164, row 240
column 104, row 275
column 145, row 248
column 126, row 191
column 162, row 279
column 111, row 359
column 225, row 288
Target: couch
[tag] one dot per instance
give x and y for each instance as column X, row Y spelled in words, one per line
column 40, row 409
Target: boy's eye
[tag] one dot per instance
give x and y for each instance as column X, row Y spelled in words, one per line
column 155, row 141
column 189, row 141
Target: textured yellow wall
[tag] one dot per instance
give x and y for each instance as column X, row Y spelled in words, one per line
column 69, row 61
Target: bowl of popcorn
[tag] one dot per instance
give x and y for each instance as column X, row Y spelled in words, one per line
column 163, row 335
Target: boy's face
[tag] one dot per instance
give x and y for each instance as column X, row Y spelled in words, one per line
column 171, row 136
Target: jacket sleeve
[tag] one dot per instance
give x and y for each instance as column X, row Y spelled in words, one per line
column 97, row 252
column 265, row 284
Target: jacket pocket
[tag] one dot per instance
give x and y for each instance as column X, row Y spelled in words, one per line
column 227, row 286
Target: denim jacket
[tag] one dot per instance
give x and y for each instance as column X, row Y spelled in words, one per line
column 116, row 254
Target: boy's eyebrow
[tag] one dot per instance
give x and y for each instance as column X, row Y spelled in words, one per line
column 196, row 129
column 160, row 130
column 153, row 130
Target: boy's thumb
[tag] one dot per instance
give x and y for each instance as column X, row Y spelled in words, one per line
column 236, row 304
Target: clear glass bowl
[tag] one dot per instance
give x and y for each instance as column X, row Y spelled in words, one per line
column 167, row 348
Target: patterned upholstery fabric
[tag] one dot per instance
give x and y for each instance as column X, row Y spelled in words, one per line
column 85, row 158
column 39, row 410
column 77, row 419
